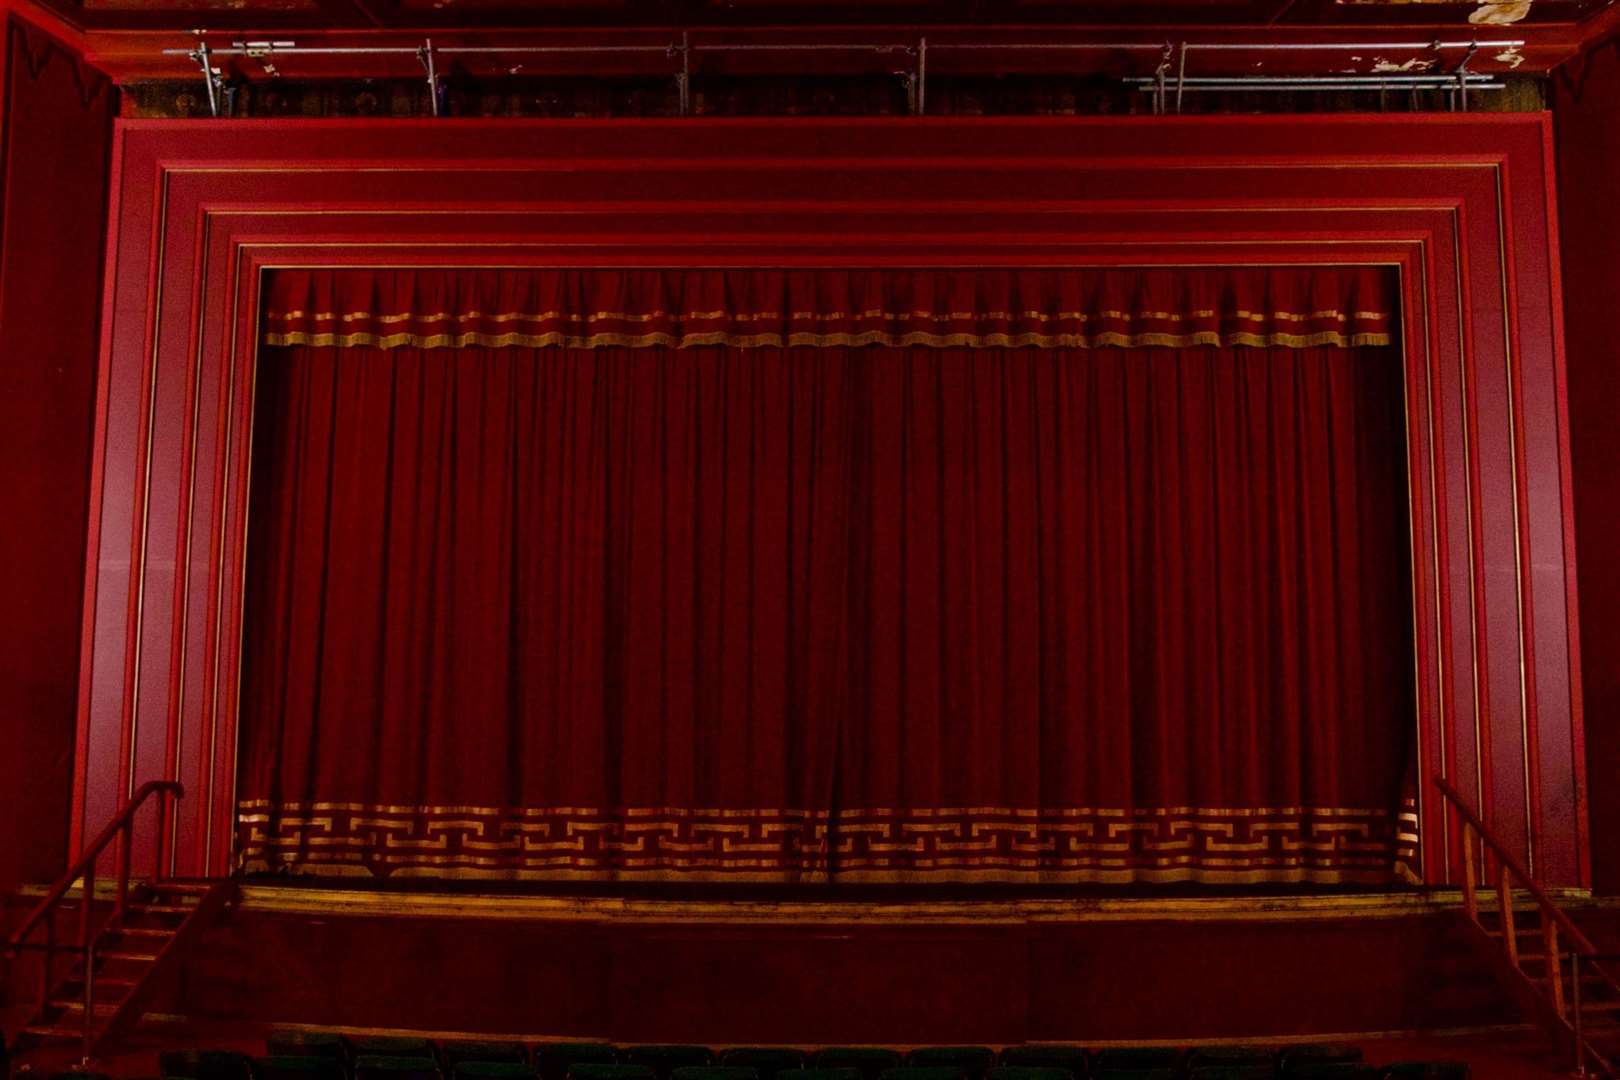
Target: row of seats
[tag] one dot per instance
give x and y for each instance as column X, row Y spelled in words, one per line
column 331, row 1056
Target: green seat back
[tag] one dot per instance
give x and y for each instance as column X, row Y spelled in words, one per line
column 454, row 1053
column 1428, row 1070
column 299, row 1067
column 1032, row 1072
column 1331, row 1070
column 662, row 1058
column 395, row 1067
column 767, row 1060
column 591, row 1071
column 1265, row 1071
column 493, row 1070
column 1233, row 1055
column 327, row 1044
column 924, row 1072
column 1138, row 1057
column 972, row 1060
column 205, row 1065
column 842, row 1073
column 1320, row 1054
column 400, row 1046
column 871, row 1060
column 1073, row 1058
column 553, row 1060
column 714, row 1072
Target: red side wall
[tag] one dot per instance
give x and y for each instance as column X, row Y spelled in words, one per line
column 1586, row 103
column 55, row 145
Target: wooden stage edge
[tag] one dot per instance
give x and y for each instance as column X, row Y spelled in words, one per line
column 291, row 899
column 158, row 1023
column 425, row 902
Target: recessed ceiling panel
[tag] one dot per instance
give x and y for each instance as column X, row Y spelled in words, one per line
column 181, row 7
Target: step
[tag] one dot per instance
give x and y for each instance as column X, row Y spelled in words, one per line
column 143, row 931
column 52, row 1031
column 102, row 1008
column 122, row 954
column 163, row 909
column 1600, row 1006
column 72, row 988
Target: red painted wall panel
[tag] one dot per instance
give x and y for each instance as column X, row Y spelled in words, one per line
column 809, row 982
column 53, row 174
column 1586, row 102
column 1462, row 205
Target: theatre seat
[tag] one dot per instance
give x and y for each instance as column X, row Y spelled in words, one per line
column 1073, row 1058
column 664, row 1059
column 1127, row 1058
column 299, row 1067
column 1232, row 1072
column 457, row 1051
column 870, row 1060
column 714, row 1072
column 396, row 1067
column 492, row 1070
column 1233, row 1055
column 1137, row 1074
column 205, row 1065
column 1332, row 1070
column 1032, row 1072
column 400, row 1046
column 586, row 1071
column 327, row 1044
column 924, row 1072
column 1427, row 1070
column 840, row 1073
column 767, row 1060
column 554, row 1060
column 1320, row 1054
column 972, row 1060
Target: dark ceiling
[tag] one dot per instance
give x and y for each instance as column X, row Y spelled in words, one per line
column 1188, row 15
column 128, row 37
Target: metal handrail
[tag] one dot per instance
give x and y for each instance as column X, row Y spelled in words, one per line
column 83, row 873
column 1506, row 858
column 1576, row 946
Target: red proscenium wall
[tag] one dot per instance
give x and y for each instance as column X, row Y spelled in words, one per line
column 1586, row 108
column 55, row 139
column 1460, row 205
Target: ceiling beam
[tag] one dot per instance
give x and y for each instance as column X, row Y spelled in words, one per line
column 349, row 13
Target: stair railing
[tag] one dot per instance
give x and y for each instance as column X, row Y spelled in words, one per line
column 84, row 874
column 1483, row 853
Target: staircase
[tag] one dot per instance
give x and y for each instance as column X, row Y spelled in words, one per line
column 120, row 944
column 1541, row 956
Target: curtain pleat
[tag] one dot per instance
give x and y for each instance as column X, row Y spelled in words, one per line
column 834, row 613
column 1056, row 308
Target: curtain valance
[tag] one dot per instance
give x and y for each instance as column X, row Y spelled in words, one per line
column 1046, row 308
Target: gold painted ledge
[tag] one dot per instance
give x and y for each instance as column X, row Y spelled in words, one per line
column 301, row 899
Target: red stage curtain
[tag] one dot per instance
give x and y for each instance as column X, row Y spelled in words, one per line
column 429, row 308
column 875, row 614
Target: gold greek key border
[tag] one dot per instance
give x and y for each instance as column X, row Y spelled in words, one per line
column 929, row 844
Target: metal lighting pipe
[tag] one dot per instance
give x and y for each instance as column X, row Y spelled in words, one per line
column 1318, row 46
column 1354, row 80
column 1316, row 84
column 1330, row 46
column 1016, row 46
